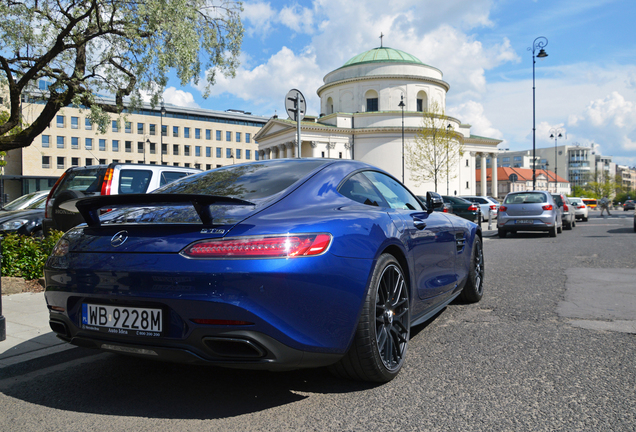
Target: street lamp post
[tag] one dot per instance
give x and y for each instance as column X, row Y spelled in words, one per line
column 163, row 113
column 449, row 129
column 556, row 133
column 539, row 43
column 401, row 105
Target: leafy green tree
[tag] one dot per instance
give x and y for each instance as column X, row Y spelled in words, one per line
column 602, row 185
column 436, row 150
column 123, row 48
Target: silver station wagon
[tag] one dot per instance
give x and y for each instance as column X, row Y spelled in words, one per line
column 529, row 211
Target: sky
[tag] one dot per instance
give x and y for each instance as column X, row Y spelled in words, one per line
column 586, row 86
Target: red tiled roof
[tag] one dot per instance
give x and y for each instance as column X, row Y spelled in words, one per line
column 524, row 174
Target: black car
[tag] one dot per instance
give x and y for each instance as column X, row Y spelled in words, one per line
column 27, row 221
column 629, row 205
column 463, row 208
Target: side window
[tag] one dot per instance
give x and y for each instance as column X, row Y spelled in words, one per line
column 393, row 192
column 134, row 181
column 358, row 188
column 170, row 176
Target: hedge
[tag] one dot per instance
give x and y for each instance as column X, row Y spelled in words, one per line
column 25, row 256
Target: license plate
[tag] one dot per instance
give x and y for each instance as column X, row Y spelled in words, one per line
column 524, row 221
column 131, row 321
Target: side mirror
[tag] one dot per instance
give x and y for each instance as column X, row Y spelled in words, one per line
column 433, row 201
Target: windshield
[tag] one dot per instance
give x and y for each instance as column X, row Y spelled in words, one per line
column 22, row 202
column 526, row 198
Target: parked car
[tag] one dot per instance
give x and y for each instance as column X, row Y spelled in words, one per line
column 444, row 207
column 112, row 179
column 463, row 208
column 580, row 209
column 567, row 211
column 529, row 211
column 27, row 221
column 486, row 203
column 275, row 264
column 629, row 205
column 24, row 201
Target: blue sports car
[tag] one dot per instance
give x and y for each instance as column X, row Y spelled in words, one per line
column 276, row 264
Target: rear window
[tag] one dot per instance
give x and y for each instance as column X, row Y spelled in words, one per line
column 85, row 180
column 526, row 198
column 251, row 181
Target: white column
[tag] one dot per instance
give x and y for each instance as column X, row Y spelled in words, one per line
column 314, row 149
column 495, row 180
column 282, row 151
column 330, row 147
column 484, row 186
column 290, row 150
column 268, row 153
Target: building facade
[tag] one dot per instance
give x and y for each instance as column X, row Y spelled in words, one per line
column 178, row 136
column 511, row 179
column 362, row 118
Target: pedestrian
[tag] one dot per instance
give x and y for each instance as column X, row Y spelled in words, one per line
column 605, row 206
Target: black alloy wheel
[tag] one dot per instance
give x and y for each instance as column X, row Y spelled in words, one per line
column 473, row 291
column 379, row 346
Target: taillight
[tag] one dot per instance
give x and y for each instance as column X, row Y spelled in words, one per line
column 48, row 209
column 108, row 179
column 445, row 210
column 565, row 207
column 472, row 207
column 285, row 246
column 545, row 207
column 493, row 207
column 581, row 206
column 503, row 208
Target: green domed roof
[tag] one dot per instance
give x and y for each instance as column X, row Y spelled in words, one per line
column 383, row 54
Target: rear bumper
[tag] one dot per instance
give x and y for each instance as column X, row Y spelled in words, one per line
column 538, row 224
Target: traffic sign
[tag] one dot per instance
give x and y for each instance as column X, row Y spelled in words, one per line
column 293, row 101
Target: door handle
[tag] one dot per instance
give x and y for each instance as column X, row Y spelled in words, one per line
column 419, row 223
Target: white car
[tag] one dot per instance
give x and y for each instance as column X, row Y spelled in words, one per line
column 486, row 203
column 580, row 209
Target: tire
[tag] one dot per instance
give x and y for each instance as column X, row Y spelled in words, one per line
column 573, row 223
column 473, row 290
column 585, row 219
column 379, row 346
column 559, row 230
column 568, row 226
column 501, row 233
column 553, row 232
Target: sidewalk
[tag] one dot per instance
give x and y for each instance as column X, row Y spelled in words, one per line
column 28, row 333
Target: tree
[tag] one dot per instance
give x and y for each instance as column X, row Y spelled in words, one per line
column 123, row 48
column 436, row 150
column 602, row 185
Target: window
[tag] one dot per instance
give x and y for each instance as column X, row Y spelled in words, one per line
column 175, row 149
column 197, row 166
column 88, row 124
column 218, row 135
column 340, row 155
column 467, row 162
column 420, row 105
column 175, row 131
column 372, row 104
column 248, row 153
column 115, row 145
column 238, row 137
column 218, row 152
column 197, row 133
column 238, row 153
column 208, row 167
column 393, row 192
column 176, row 164
column 75, row 161
column 208, row 152
column 186, row 132
column 248, row 137
column 152, row 128
column 60, row 142
column 60, row 121
column 164, row 130
column 46, row 162
column 115, row 126
column 228, row 136
column 256, row 155
column 128, row 146
column 208, row 134
column 46, row 140
column 187, row 165
column 61, row 163
column 228, row 153
column 140, row 128
column 164, row 149
column 89, row 161
column 88, row 143
column 360, row 189
column 140, row 147
column 153, row 148
column 128, row 126
column 74, row 142
column 186, row 150
column 102, row 145
column 197, row 151
column 74, row 122
column 506, row 159
column 102, row 161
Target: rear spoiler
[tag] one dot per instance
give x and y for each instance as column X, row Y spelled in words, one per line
column 89, row 207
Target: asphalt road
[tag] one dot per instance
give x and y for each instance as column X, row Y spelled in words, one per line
column 550, row 347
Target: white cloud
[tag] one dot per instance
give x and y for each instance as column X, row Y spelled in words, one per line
column 473, row 113
column 258, row 18
column 179, row 97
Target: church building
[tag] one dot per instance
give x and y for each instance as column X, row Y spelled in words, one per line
column 362, row 118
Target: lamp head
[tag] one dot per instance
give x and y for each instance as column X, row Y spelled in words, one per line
column 542, row 53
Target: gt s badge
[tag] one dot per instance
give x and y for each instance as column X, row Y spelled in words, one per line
column 212, row 231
